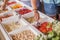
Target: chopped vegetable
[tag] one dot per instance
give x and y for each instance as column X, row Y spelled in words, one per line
column 39, row 37
column 45, row 27
column 23, row 11
column 56, row 26
column 53, row 36
column 50, row 34
column 16, row 6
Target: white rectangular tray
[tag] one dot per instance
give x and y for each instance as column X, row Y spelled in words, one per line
column 15, row 19
column 9, row 12
column 14, row 4
column 27, row 27
column 43, row 17
column 14, row 14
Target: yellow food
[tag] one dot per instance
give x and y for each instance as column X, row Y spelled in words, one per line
column 11, row 26
column 31, row 19
column 25, row 35
column 16, row 6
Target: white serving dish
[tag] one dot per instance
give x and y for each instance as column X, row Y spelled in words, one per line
column 22, row 9
column 7, row 13
column 15, row 4
column 43, row 17
column 21, row 21
column 10, row 19
column 27, row 27
column 18, row 2
column 28, row 15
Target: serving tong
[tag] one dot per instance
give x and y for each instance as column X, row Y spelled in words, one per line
column 37, row 24
column 19, row 17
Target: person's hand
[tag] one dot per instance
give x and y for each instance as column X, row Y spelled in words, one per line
column 3, row 7
column 36, row 15
column 4, row 4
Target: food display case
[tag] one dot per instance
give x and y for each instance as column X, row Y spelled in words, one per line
column 18, row 23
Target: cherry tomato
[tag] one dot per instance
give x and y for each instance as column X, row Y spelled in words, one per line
column 44, row 30
column 50, row 29
column 43, row 27
column 23, row 11
column 44, row 24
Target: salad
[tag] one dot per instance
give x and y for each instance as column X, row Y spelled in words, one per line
column 55, row 33
column 45, row 27
column 40, row 37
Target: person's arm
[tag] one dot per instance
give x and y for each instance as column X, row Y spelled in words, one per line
column 34, row 6
column 4, row 4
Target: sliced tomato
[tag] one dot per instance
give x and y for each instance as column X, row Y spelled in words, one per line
column 50, row 29
column 43, row 29
column 23, row 11
column 44, row 24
